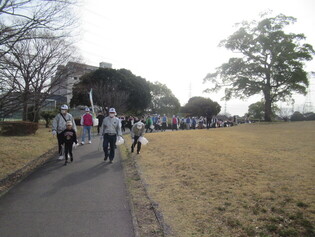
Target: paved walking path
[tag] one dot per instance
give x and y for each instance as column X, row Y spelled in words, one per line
column 85, row 198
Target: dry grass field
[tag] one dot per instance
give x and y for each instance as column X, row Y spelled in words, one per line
column 17, row 151
column 248, row 180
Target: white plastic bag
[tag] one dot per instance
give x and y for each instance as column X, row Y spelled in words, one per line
column 95, row 122
column 152, row 126
column 119, row 141
column 143, row 140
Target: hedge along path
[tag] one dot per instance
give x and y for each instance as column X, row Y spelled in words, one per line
column 249, row 180
column 18, row 128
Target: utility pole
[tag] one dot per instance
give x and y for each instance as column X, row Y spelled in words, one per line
column 189, row 91
column 308, row 106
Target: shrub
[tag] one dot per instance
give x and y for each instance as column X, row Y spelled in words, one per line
column 19, row 128
column 48, row 116
column 310, row 116
column 297, row 116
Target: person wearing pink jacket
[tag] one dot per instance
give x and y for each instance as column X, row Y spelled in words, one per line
column 87, row 123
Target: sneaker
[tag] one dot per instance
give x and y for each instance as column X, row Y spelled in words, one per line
column 110, row 162
column 60, row 158
column 90, row 142
column 82, row 143
column 66, row 162
column 131, row 148
column 71, row 159
column 105, row 158
column 138, row 152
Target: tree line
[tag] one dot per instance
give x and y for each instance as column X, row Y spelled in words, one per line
column 134, row 95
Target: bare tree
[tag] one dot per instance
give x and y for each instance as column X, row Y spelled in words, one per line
column 285, row 113
column 20, row 17
column 27, row 71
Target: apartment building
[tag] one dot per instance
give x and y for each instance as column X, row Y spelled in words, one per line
column 69, row 75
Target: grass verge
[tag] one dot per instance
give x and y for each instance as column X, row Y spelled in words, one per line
column 146, row 224
column 250, row 180
column 19, row 154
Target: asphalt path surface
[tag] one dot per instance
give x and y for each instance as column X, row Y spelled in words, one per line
column 85, row 198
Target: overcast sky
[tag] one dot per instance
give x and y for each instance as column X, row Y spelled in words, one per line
column 176, row 42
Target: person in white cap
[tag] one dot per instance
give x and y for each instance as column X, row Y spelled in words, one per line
column 111, row 128
column 59, row 124
column 137, row 131
column 87, row 123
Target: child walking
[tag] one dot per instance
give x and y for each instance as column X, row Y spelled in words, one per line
column 69, row 137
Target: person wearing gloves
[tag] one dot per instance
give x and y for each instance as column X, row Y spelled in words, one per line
column 110, row 129
column 87, row 123
column 137, row 131
column 59, row 124
column 69, row 137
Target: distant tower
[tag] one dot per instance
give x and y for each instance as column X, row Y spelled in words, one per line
column 293, row 107
column 189, row 91
column 308, row 106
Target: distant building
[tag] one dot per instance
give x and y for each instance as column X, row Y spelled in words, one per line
column 69, row 75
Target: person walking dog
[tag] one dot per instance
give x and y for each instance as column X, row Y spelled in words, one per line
column 110, row 129
column 59, row 124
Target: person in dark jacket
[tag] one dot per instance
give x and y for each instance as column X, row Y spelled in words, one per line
column 69, row 137
column 100, row 118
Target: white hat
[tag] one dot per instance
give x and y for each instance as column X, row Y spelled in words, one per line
column 69, row 123
column 112, row 110
column 139, row 125
column 87, row 109
column 64, row 107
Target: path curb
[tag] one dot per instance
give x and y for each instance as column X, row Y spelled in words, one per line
column 154, row 206
column 17, row 176
column 132, row 208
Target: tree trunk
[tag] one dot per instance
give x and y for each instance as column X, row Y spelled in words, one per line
column 25, row 107
column 268, row 111
column 268, row 101
column 47, row 123
column 36, row 110
column 36, row 116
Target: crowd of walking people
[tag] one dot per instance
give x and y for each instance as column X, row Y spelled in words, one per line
column 110, row 128
column 156, row 122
